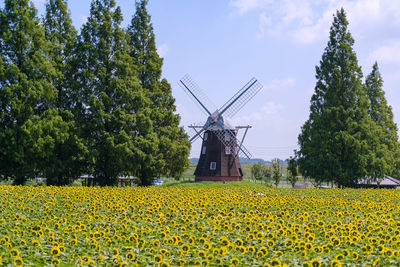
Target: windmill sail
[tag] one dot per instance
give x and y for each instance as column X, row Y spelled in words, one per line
column 244, row 95
column 228, row 138
column 196, row 94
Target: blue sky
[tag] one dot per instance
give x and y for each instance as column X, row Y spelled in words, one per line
column 224, row 43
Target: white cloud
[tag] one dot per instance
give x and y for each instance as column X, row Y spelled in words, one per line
column 264, row 21
column 309, row 21
column 271, row 108
column 162, row 50
column 386, row 54
column 246, row 5
column 268, row 109
column 280, row 84
column 313, row 32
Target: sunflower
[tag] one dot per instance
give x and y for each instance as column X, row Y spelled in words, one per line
column 130, row 256
column 55, row 261
column 346, row 252
column 215, row 251
column 239, row 242
column 35, row 243
column 388, row 252
column 278, row 253
column 180, row 262
column 15, row 252
column 85, row 258
column 276, row 262
column 201, row 253
column 55, row 251
column 116, row 260
column 339, row 257
column 336, row 263
column 316, row 263
column 185, row 247
column 164, row 264
column 251, row 249
column 155, row 243
column 115, row 251
column 259, row 254
column 158, row 258
column 223, row 251
column 234, row 261
column 270, row 243
column 18, row 261
column 205, row 262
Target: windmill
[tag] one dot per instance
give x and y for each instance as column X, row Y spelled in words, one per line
column 220, row 149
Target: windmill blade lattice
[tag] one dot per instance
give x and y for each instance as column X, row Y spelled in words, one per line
column 244, row 95
column 235, row 148
column 194, row 131
column 196, row 94
column 198, row 133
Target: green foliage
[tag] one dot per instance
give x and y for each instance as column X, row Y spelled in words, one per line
column 171, row 147
column 385, row 141
column 257, row 171
column 65, row 161
column 111, row 107
column 292, row 171
column 260, row 172
column 27, row 95
column 334, row 142
column 93, row 103
column 276, row 171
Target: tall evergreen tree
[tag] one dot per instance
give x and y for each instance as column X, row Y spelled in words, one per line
column 110, row 105
column 386, row 142
column 171, row 155
column 62, row 35
column 67, row 160
column 334, row 140
column 26, row 92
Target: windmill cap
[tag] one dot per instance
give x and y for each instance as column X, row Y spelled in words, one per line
column 222, row 121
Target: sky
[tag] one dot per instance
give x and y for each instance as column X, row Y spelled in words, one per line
column 223, row 44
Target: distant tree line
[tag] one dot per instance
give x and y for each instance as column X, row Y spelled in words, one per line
column 91, row 102
column 267, row 174
column 350, row 133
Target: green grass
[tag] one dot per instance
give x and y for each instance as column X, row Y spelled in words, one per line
column 188, row 174
column 191, row 184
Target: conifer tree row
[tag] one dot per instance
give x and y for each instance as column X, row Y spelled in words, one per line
column 172, row 147
column 350, row 132
column 386, row 139
column 29, row 121
column 92, row 103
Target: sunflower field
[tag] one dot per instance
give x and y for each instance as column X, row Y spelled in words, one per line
column 224, row 226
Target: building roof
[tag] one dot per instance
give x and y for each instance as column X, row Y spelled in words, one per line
column 386, row 181
column 222, row 120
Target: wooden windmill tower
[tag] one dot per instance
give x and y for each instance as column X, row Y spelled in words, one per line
column 220, row 149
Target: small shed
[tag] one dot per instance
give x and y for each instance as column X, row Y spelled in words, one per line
column 386, row 182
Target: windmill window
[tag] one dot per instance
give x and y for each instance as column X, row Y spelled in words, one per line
column 213, row 165
column 205, row 136
column 227, row 150
column 203, row 151
column 227, row 137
